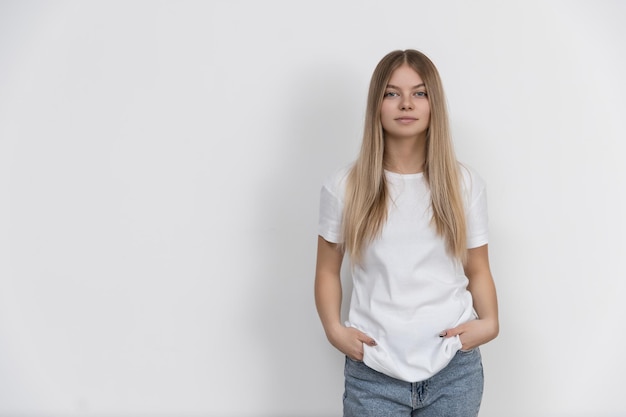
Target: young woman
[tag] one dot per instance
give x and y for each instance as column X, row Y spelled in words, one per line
column 414, row 224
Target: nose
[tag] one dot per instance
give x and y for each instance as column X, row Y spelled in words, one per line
column 406, row 103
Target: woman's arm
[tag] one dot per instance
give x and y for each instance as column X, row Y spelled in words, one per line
column 328, row 296
column 477, row 332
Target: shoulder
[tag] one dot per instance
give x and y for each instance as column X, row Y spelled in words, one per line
column 473, row 185
column 471, row 179
column 336, row 182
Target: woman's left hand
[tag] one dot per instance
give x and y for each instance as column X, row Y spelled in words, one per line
column 473, row 333
column 480, row 331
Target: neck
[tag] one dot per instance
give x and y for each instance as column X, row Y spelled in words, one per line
column 405, row 156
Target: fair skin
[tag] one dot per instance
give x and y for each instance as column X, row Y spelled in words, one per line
column 405, row 115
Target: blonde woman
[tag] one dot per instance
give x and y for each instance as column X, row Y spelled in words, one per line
column 413, row 222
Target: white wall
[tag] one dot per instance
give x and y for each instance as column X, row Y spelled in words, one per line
column 160, row 164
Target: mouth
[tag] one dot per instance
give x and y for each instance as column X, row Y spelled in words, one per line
column 406, row 119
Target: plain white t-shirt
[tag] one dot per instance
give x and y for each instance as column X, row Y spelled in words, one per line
column 408, row 288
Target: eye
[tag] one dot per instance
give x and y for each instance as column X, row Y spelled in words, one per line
column 421, row 94
column 390, row 94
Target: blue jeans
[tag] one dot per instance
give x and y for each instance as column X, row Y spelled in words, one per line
column 455, row 391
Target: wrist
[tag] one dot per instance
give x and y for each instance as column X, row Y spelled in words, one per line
column 493, row 325
column 332, row 330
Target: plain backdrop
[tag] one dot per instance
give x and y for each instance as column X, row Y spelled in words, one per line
column 160, row 168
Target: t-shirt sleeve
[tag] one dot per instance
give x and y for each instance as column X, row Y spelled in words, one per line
column 477, row 216
column 331, row 207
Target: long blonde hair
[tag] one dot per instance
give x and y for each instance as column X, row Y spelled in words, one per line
column 365, row 210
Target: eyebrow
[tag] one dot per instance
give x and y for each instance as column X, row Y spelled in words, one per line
column 398, row 88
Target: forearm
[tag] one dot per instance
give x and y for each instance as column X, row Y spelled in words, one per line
column 483, row 292
column 328, row 296
column 483, row 289
column 328, row 292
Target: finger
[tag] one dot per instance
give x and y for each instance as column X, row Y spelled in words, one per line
column 366, row 339
column 451, row 332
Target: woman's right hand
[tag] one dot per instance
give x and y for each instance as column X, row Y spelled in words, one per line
column 349, row 341
column 328, row 298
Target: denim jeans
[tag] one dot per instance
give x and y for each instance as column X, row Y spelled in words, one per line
column 455, row 391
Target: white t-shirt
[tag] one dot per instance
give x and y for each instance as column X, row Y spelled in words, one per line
column 408, row 288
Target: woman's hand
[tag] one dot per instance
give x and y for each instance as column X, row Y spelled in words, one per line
column 480, row 331
column 349, row 341
column 473, row 333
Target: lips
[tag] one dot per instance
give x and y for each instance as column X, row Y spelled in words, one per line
column 406, row 119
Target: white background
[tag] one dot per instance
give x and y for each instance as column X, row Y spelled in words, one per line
column 160, row 167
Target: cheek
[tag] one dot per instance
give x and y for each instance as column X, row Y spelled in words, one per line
column 384, row 124
column 384, row 115
column 384, row 110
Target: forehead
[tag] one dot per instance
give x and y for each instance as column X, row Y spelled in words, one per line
column 404, row 76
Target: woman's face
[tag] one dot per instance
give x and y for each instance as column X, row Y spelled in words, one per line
column 405, row 112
